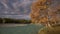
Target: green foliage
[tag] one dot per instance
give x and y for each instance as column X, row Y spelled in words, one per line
column 20, row 21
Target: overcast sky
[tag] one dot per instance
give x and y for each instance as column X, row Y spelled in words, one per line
column 15, row 8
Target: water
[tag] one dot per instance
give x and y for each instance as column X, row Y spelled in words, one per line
column 18, row 29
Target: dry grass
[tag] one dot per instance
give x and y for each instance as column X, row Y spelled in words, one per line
column 55, row 30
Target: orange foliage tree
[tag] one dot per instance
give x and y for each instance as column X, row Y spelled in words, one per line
column 40, row 13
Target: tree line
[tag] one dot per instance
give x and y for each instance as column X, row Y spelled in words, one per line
column 16, row 21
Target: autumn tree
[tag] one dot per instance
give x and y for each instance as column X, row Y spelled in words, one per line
column 41, row 13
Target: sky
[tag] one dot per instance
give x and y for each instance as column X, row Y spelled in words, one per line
column 19, row 9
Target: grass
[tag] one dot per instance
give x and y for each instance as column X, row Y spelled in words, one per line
column 55, row 30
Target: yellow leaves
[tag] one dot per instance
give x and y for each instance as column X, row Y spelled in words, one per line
column 44, row 19
column 39, row 4
column 36, row 12
column 43, row 7
column 42, row 0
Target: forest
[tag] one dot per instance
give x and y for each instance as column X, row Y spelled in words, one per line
column 14, row 21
